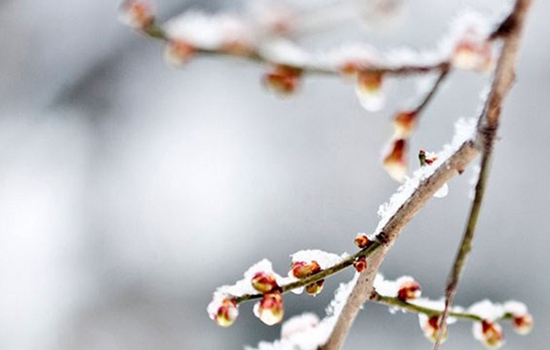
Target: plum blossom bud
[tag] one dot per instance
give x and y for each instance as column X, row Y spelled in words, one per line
column 408, row 290
column 350, row 69
column 264, row 282
column 369, row 90
column 282, row 79
column 138, row 14
column 227, row 313
column 360, row 264
column 395, row 160
column 315, row 287
column 178, row 52
column 361, row 240
column 489, row 333
column 473, row 55
column 404, row 123
column 302, row 269
column 270, row 309
column 522, row 324
column 430, row 327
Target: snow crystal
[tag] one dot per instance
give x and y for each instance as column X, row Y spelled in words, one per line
column 515, row 308
column 324, row 259
column 298, row 324
column 487, row 310
column 282, row 51
column 208, row 31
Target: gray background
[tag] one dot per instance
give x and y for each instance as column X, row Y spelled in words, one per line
column 129, row 190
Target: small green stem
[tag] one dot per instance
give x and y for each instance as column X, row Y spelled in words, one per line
column 371, row 248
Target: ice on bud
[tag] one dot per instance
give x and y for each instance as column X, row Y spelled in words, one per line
column 360, row 264
column 283, row 80
column 395, row 160
column 472, row 55
column 179, row 52
column 315, row 287
column 361, row 240
column 264, row 282
column 302, row 269
column 270, row 309
column 409, row 289
column 522, row 324
column 489, row 334
column 369, row 90
column 404, row 124
column 226, row 313
column 430, row 327
column 137, row 14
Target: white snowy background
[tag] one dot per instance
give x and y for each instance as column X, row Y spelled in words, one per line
column 130, row 190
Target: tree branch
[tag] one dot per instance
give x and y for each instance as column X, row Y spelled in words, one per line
column 363, row 290
column 501, row 86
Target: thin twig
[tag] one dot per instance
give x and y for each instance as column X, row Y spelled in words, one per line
column 411, row 307
column 488, row 126
column 155, row 31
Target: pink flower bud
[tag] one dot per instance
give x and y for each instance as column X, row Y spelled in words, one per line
column 264, row 282
column 350, row 70
column 409, row 290
column 361, row 240
column 430, row 327
column 404, row 123
column 360, row 264
column 489, row 333
column 315, row 288
column 395, row 160
column 369, row 90
column 283, row 80
column 137, row 14
column 522, row 324
column 270, row 309
column 473, row 55
column 227, row 313
column 179, row 52
column 301, row 269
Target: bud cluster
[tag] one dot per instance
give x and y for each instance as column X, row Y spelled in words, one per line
column 303, row 269
column 282, row 79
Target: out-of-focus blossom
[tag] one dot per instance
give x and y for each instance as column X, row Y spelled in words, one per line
column 264, row 282
column 489, row 334
column 270, row 309
column 404, row 123
column 430, row 327
column 179, row 52
column 369, row 90
column 395, row 161
column 137, row 14
column 226, row 313
column 283, row 80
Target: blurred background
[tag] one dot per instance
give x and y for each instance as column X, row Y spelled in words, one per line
column 130, row 190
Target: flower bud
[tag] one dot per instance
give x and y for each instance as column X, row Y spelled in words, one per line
column 350, row 69
column 301, row 269
column 409, row 290
column 360, row 264
column 227, row 313
column 270, row 309
column 283, row 80
column 430, row 327
column 178, row 52
column 522, row 324
column 369, row 90
column 137, row 14
column 473, row 55
column 404, row 124
column 315, row 287
column 395, row 160
column 489, row 333
column 361, row 240
column 264, row 282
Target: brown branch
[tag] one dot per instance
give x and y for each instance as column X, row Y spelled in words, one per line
column 155, row 31
column 363, row 289
column 504, row 78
